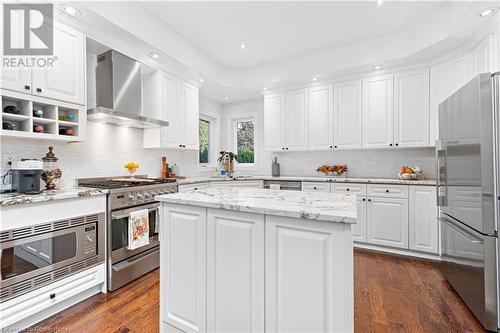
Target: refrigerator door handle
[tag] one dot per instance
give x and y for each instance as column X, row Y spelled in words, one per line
column 469, row 235
column 441, row 182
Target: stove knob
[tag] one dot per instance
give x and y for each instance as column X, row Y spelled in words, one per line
column 131, row 197
column 140, row 196
column 147, row 195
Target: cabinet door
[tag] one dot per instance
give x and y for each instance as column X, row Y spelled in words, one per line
column 347, row 114
column 321, row 118
column 183, row 267
column 17, row 78
column 296, row 120
column 359, row 229
column 387, row 222
column 235, row 271
column 411, row 108
column 316, row 187
column 191, row 114
column 66, row 81
column 274, row 118
column 378, row 112
column 173, row 135
column 423, row 222
column 309, row 275
column 483, row 56
column 446, row 78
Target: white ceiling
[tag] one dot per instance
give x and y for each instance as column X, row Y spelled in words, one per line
column 276, row 31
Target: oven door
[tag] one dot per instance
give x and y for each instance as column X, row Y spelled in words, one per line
column 119, row 232
column 28, row 257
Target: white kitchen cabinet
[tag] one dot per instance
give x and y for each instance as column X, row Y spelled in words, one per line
column 423, row 224
column 387, row 191
column 296, row 114
column 321, row 118
column 347, row 115
column 446, row 78
column 484, row 55
column 183, row 268
column 347, row 188
column 359, row 229
column 235, row 272
column 316, row 187
column 378, row 112
column 305, row 290
column 16, row 80
column 193, row 187
column 66, row 80
column 191, row 114
column 274, row 117
column 411, row 108
column 387, row 222
column 168, row 98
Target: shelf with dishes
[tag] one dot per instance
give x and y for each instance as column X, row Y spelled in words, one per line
column 27, row 116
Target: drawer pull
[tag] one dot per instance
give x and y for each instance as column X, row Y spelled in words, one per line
column 315, row 188
column 196, row 189
column 369, row 199
column 387, row 191
column 347, row 189
column 52, row 296
column 364, row 199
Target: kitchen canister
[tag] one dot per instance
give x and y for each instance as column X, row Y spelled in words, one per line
column 275, row 167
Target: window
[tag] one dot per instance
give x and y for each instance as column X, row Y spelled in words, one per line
column 245, row 141
column 204, row 128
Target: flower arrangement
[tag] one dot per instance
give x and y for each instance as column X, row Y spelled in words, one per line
column 232, row 156
column 227, row 159
column 333, row 170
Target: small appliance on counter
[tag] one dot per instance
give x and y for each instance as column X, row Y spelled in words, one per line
column 26, row 175
column 275, row 167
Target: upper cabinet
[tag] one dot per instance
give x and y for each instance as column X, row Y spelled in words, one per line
column 446, row 78
column 484, row 61
column 65, row 81
column 347, row 114
column 168, row 98
column 296, row 111
column 274, row 112
column 378, row 112
column 411, row 108
column 321, row 118
column 285, row 121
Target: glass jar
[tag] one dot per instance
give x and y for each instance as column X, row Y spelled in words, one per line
column 51, row 172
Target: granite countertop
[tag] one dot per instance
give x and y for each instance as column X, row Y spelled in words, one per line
column 328, row 207
column 10, row 199
column 395, row 181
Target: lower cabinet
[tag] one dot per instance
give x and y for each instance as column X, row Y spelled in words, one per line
column 359, row 229
column 387, row 221
column 183, row 268
column 238, row 183
column 193, row 187
column 235, row 272
column 306, row 276
column 423, row 222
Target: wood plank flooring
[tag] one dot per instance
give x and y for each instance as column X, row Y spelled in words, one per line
column 392, row 294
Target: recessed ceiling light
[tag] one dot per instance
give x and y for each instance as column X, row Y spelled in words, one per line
column 72, row 11
column 202, row 80
column 487, row 12
column 243, row 45
column 376, row 67
column 154, row 55
column 380, row 2
column 314, row 79
column 265, row 88
column 226, row 98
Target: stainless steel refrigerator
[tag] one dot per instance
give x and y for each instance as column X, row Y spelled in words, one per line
column 468, row 194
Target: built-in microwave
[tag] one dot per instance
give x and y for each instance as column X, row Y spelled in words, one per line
column 33, row 256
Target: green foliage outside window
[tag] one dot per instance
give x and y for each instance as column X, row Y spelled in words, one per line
column 204, row 144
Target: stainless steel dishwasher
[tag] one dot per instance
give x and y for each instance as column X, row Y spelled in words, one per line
column 286, row 185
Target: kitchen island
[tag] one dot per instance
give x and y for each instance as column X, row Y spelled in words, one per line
column 254, row 260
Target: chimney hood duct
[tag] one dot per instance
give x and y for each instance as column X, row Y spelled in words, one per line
column 119, row 93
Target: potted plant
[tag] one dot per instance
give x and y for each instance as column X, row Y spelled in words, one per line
column 227, row 159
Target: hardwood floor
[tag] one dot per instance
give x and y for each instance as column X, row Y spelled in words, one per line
column 392, row 294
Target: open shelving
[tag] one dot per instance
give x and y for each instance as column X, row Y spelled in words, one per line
column 38, row 117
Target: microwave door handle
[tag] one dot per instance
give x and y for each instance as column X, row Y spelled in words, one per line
column 441, row 181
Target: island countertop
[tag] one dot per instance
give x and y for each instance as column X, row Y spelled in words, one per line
column 330, row 207
column 11, row 199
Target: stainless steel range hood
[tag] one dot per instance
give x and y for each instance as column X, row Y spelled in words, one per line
column 119, row 93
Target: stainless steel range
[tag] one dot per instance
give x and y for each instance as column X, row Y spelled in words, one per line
column 126, row 196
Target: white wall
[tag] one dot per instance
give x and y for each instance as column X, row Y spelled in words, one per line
column 107, row 148
column 361, row 163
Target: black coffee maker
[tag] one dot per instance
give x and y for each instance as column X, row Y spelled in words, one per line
column 26, row 176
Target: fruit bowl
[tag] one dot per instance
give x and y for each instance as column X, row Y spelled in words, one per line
column 408, row 173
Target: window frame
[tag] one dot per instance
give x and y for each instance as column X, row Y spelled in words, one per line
column 213, row 144
column 234, row 129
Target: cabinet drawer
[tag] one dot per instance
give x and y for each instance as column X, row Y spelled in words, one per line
column 349, row 188
column 33, row 302
column 388, row 191
column 236, row 183
column 192, row 187
column 315, row 187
